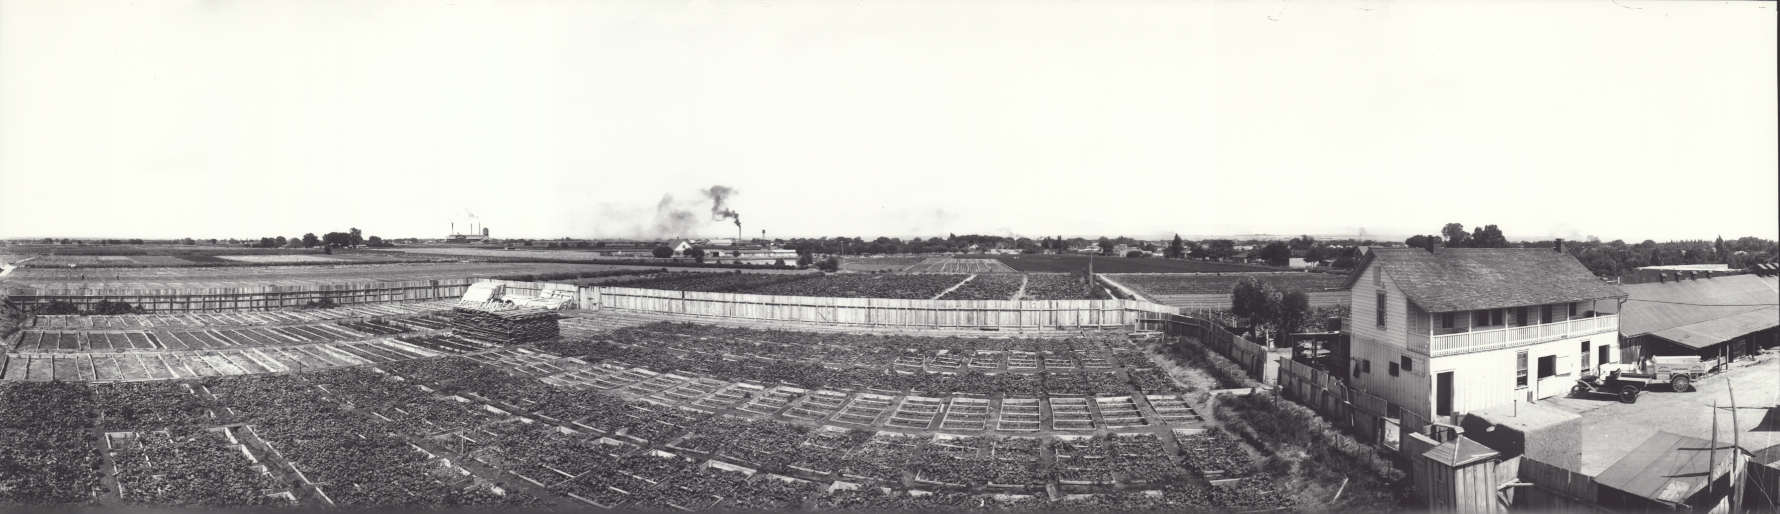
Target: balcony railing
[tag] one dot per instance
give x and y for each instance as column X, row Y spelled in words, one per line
column 1481, row 340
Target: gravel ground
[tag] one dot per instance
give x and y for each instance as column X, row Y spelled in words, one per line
column 1611, row 429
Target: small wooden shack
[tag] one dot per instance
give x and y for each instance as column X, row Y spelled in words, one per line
column 1463, row 477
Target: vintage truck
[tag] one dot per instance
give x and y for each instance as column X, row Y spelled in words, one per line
column 1678, row 372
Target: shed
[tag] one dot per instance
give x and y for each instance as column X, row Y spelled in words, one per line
column 1462, row 477
column 1671, row 471
column 1704, row 317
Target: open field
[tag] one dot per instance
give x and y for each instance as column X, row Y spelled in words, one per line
column 692, row 418
column 880, row 263
column 1212, row 291
column 1079, row 263
column 950, row 265
column 913, row 287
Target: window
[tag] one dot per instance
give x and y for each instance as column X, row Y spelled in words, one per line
column 1496, row 316
column 1487, row 317
column 1520, row 316
column 1520, row 367
column 1548, row 366
column 1408, row 364
column 1356, row 368
column 1446, row 320
column 1366, row 365
column 1394, row 368
column 1572, row 309
column 1545, row 313
column 1381, row 309
column 1378, row 278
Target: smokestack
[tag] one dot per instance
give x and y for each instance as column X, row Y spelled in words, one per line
column 454, row 228
column 1560, row 245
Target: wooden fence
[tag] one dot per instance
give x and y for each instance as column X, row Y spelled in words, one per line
column 186, row 298
column 1253, row 358
column 991, row 315
column 1556, row 489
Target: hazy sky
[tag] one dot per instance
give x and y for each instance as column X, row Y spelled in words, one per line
column 222, row 118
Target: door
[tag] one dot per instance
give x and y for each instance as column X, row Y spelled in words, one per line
column 1443, row 393
column 1605, row 351
column 1583, row 364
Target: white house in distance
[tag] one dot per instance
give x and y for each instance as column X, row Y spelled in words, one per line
column 1451, row 330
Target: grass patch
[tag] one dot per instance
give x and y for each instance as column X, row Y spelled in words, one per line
column 1312, row 456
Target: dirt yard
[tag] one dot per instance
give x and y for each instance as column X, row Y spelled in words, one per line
column 1611, row 429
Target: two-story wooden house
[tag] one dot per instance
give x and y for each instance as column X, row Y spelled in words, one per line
column 1449, row 330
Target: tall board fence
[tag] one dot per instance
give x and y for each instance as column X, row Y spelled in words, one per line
column 1253, row 358
column 987, row 315
column 185, row 298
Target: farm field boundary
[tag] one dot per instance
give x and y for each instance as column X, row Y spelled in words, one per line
column 1364, row 415
column 994, row 315
column 1078, row 263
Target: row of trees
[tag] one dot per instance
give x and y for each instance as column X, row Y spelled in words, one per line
column 1616, row 257
column 353, row 237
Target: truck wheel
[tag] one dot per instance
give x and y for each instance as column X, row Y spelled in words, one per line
column 1578, row 391
column 1681, row 383
column 1628, row 394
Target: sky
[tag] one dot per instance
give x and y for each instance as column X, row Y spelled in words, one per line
column 561, row 118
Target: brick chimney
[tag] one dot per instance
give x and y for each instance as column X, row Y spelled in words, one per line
column 1560, row 245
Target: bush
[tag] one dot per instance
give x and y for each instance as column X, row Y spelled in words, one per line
column 663, row 252
column 830, row 264
column 109, row 308
column 1134, row 254
column 324, row 303
column 60, row 308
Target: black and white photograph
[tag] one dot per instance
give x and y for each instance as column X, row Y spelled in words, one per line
column 1045, row 256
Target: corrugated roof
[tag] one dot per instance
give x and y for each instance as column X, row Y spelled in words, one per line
column 1652, row 307
column 1711, row 332
column 1668, row 467
column 1469, row 451
column 1459, row 279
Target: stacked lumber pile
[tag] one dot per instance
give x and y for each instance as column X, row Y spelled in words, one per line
column 504, row 326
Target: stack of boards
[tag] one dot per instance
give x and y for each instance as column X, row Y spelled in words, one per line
column 504, row 326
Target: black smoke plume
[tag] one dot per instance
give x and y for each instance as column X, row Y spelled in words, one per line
column 719, row 211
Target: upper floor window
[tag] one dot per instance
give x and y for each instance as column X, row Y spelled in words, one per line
column 1572, row 309
column 1378, row 277
column 1487, row 317
column 1446, row 320
column 1520, row 317
column 1381, row 316
column 1545, row 314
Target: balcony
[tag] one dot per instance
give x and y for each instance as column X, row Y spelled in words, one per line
column 1509, row 337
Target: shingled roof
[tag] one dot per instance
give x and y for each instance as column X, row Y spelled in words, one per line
column 1460, row 279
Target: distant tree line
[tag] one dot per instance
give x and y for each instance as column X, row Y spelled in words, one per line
column 1616, row 257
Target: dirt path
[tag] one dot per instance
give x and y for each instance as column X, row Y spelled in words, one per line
column 954, row 286
column 1024, row 279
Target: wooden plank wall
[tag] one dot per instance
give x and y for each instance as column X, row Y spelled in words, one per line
column 1557, row 489
column 201, row 298
column 884, row 312
column 1251, row 357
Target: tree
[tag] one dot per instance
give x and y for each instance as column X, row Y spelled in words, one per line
column 1276, row 254
column 1248, row 299
column 293, row 242
column 376, row 241
column 804, row 260
column 1294, row 312
column 1455, row 236
column 1134, row 254
column 1488, row 236
column 1106, row 246
column 309, row 240
column 1416, row 241
column 663, row 252
column 1718, row 251
column 831, row 264
column 1175, row 249
column 1316, row 254
column 337, row 239
column 356, row 240
column 279, row 242
column 696, row 253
